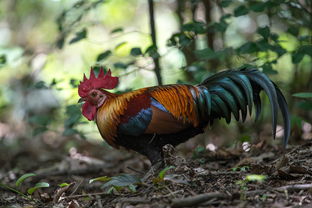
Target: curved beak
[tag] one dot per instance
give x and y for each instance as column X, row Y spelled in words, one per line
column 81, row 100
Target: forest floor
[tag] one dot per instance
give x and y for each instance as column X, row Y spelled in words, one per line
column 264, row 176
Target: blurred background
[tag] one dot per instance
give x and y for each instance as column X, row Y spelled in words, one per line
column 46, row 46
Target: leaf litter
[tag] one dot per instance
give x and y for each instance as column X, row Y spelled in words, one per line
column 261, row 177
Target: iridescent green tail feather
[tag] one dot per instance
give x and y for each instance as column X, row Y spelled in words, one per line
column 233, row 92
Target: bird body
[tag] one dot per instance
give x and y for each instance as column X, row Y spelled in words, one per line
column 146, row 119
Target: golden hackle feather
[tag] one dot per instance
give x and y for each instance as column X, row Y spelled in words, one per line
column 108, row 115
column 178, row 100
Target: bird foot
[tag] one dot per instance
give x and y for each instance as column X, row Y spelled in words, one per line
column 170, row 157
column 153, row 170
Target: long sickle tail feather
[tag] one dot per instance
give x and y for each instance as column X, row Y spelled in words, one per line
column 233, row 91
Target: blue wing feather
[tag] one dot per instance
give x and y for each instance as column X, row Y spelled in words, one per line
column 138, row 124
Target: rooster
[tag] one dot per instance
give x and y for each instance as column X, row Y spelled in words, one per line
column 147, row 119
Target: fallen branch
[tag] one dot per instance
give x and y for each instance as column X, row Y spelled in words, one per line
column 201, row 198
column 84, row 195
column 134, row 200
column 198, row 199
column 294, row 187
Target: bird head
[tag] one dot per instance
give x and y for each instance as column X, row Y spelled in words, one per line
column 92, row 93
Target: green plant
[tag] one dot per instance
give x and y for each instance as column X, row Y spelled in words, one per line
column 118, row 183
column 161, row 175
column 249, row 178
column 30, row 190
column 241, row 169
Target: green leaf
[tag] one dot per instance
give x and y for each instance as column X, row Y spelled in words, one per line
column 225, row 3
column 72, row 120
column 124, row 180
column 63, row 185
column 303, row 95
column 3, row 59
column 305, row 105
column 306, row 49
column 264, row 32
column 53, row 82
column 267, row 68
column 293, row 30
column 82, row 34
column 132, row 187
column 136, row 51
column 304, row 37
column 254, row 177
column 258, row 6
column 117, row 30
column 39, row 130
column 120, row 65
column 249, row 47
column 103, row 56
column 73, row 116
column 101, row 179
column 152, row 51
column 119, row 45
column 70, row 131
column 21, row 179
column 41, row 120
column 37, row 186
column 196, row 27
column 162, row 173
column 263, row 45
column 245, row 138
column 296, row 121
column 40, row 85
column 240, row 11
column 220, row 26
column 206, row 54
column 74, row 83
column 278, row 49
column 296, row 57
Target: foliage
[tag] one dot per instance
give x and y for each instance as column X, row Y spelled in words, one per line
column 303, row 95
column 274, row 36
column 161, row 175
column 117, row 183
column 30, row 190
column 249, row 178
column 21, row 179
column 37, row 186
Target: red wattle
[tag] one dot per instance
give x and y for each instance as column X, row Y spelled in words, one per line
column 89, row 111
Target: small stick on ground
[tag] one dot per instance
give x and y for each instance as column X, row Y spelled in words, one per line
column 198, row 199
column 294, row 187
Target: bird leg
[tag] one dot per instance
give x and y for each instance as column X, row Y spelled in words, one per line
column 155, row 168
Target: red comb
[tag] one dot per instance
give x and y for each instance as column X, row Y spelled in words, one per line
column 105, row 81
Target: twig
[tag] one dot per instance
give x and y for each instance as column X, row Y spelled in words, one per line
column 99, row 203
column 294, row 187
column 84, row 195
column 134, row 200
column 201, row 198
column 198, row 199
column 60, row 191
column 76, row 187
column 224, row 173
column 153, row 35
column 83, row 171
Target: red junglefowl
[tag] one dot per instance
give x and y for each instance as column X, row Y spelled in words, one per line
column 146, row 119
